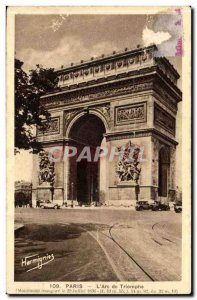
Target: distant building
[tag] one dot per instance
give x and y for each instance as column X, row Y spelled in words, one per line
column 23, row 193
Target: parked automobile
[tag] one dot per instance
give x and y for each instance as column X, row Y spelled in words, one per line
column 142, row 205
column 178, row 207
column 160, row 206
column 49, row 204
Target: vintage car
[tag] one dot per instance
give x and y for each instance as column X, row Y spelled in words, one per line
column 142, row 205
column 49, row 204
column 156, row 206
column 178, row 207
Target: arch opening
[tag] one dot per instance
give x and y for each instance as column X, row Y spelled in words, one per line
column 164, row 165
column 86, row 134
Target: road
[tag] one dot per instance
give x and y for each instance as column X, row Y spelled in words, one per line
column 98, row 245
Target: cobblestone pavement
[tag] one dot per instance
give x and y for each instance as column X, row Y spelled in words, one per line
column 99, row 245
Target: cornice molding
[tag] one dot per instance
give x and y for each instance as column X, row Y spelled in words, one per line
column 117, row 60
column 140, row 133
column 107, row 58
column 106, row 80
column 107, row 90
column 128, row 84
column 121, row 135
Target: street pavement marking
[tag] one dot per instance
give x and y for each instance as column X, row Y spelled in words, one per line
column 75, row 270
column 116, row 271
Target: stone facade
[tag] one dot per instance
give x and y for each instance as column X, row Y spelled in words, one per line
column 128, row 98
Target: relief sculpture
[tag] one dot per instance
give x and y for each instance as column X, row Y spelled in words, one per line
column 50, row 127
column 128, row 167
column 47, row 169
column 131, row 114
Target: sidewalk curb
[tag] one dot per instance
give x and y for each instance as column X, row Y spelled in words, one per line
column 99, row 208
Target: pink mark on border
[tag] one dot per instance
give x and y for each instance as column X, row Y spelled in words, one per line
column 178, row 23
column 178, row 11
column 179, row 44
column 179, row 47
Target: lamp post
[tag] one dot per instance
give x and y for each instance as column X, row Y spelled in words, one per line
column 137, row 191
column 96, row 196
column 52, row 192
column 72, row 192
column 63, row 196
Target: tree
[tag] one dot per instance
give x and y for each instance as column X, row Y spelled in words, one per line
column 29, row 111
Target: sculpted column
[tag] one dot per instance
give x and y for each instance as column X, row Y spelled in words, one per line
column 66, row 173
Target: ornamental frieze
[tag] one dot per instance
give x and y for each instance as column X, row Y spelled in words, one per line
column 167, row 101
column 99, row 69
column 129, row 114
column 51, row 127
column 95, row 93
column 164, row 119
column 166, row 71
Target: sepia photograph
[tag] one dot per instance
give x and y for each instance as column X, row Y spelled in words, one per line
column 99, row 121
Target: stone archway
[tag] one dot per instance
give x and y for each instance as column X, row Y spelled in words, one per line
column 121, row 92
column 86, row 134
column 164, row 165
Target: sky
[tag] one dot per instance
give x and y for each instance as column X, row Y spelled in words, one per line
column 56, row 40
column 74, row 38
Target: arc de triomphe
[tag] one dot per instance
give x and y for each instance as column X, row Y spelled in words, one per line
column 127, row 98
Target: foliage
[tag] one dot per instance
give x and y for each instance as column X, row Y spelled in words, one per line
column 29, row 111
